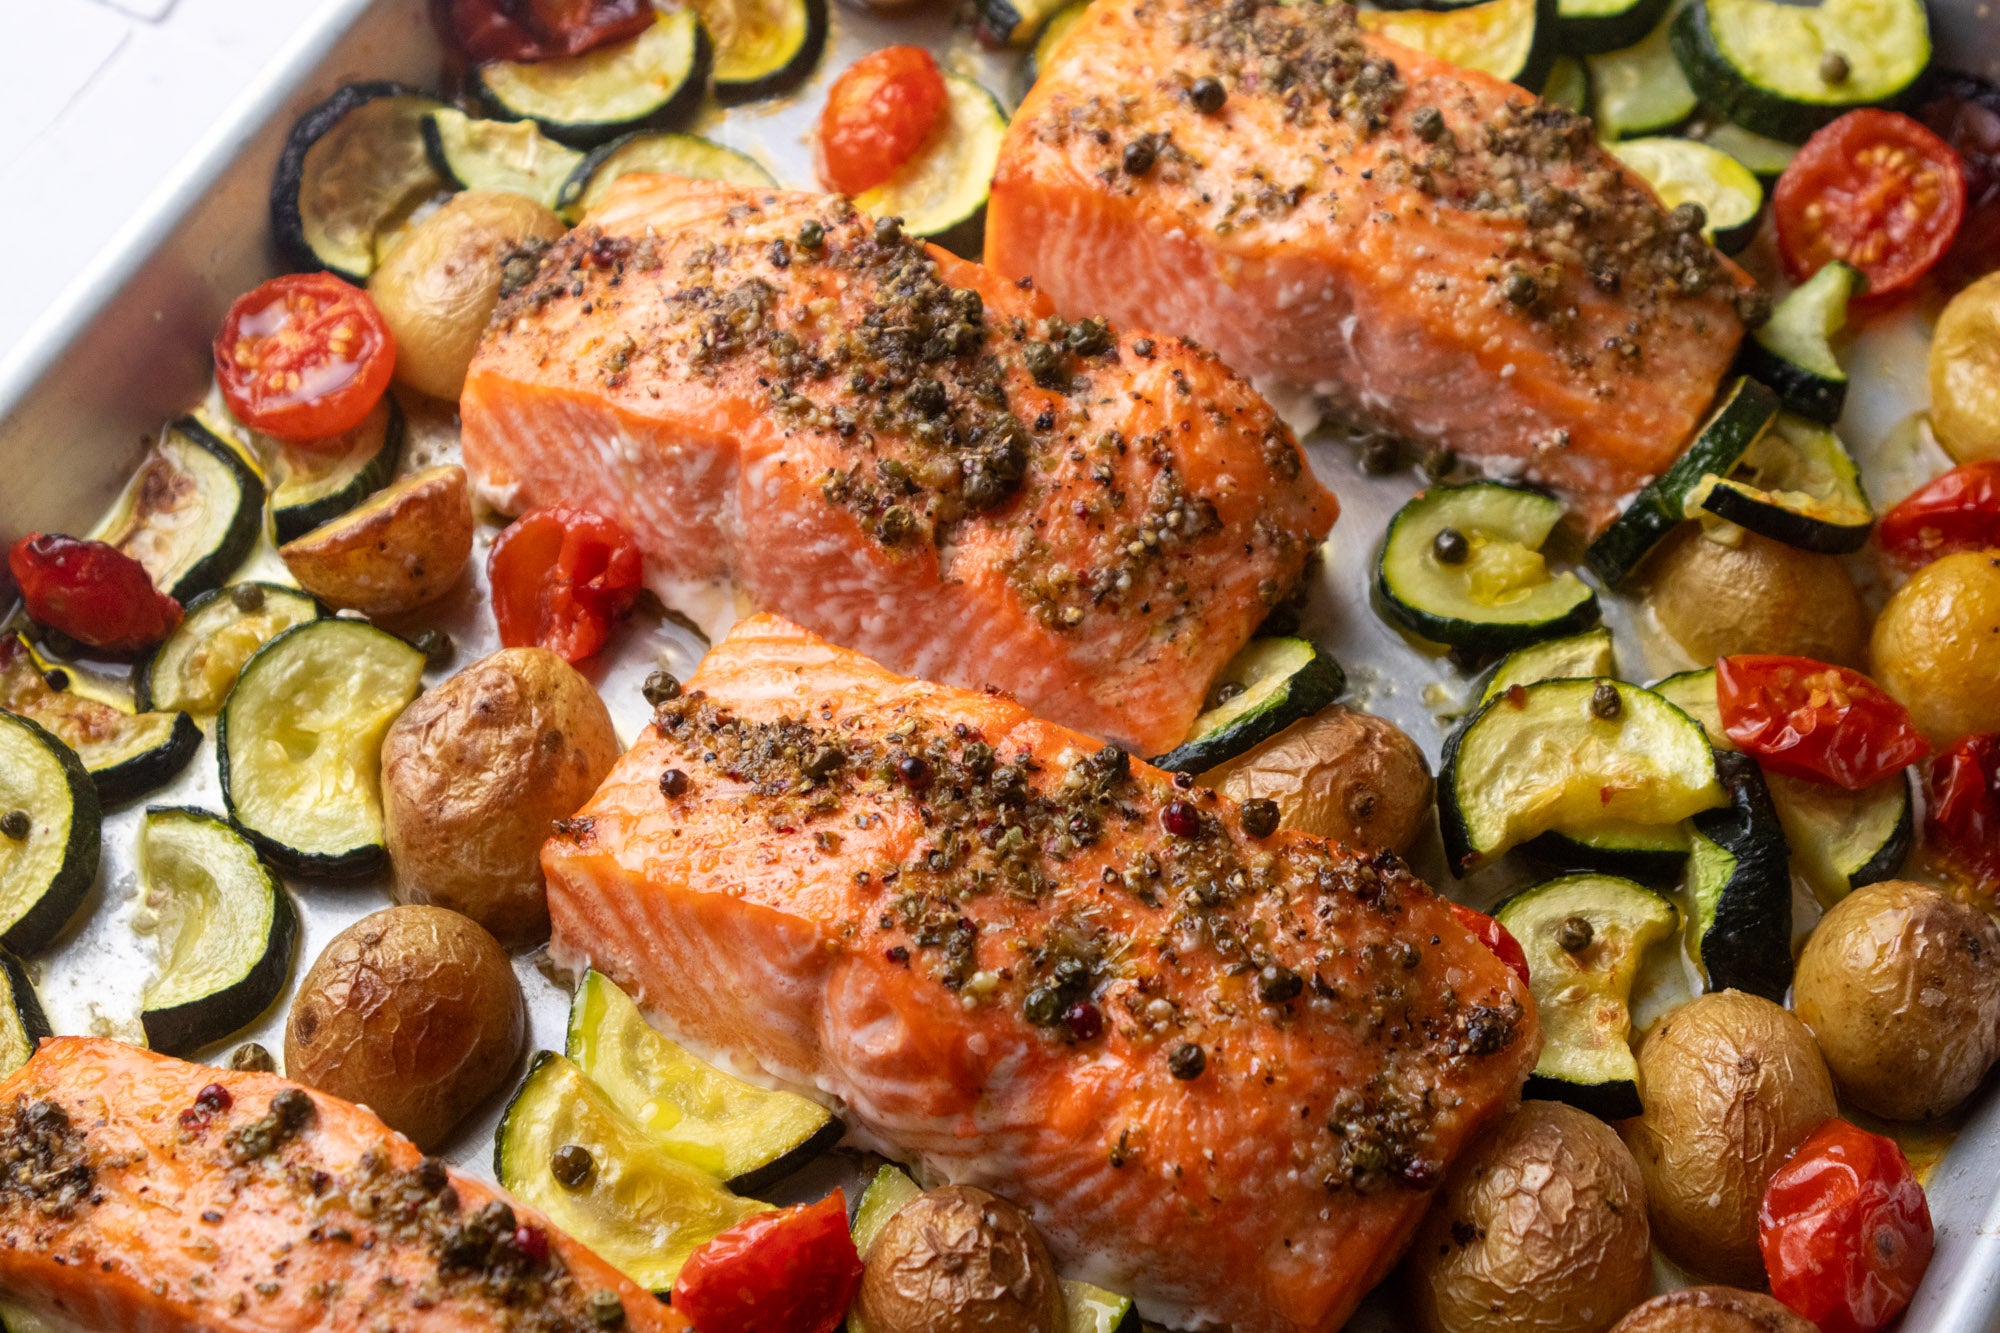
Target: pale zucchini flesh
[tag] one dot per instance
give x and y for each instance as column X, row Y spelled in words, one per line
column 1682, row 171
column 351, row 167
column 644, row 82
column 1509, row 39
column 191, row 512
column 1588, row 654
column 508, row 155
column 44, row 876
column 943, row 188
column 194, row 667
column 661, row 151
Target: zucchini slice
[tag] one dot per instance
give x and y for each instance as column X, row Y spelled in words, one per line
column 1545, row 757
column 1053, row 32
column 1745, row 410
column 1266, row 687
column 1013, row 23
column 639, row 1207
column 1580, row 655
column 193, row 670
column 1568, row 85
column 1509, row 39
column 299, row 743
column 22, row 1022
column 1640, row 89
column 1693, row 692
column 45, row 875
column 1649, row 853
column 745, row 1135
column 509, row 155
column 1584, row 937
column 887, row 1192
column 227, row 930
column 1740, row 887
column 191, row 512
column 652, row 81
column 1842, row 839
column 1796, row 485
column 126, row 753
column 350, row 169
column 1463, row 565
column 1793, row 351
column 661, row 151
column 316, row 486
column 1682, row 171
column 762, row 47
column 1766, row 158
column 1592, row 27
column 1765, row 64
column 941, row 192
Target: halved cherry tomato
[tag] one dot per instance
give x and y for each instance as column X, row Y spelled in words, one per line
column 1845, row 1230
column 303, row 357
column 1962, row 809
column 792, row 1271
column 1964, row 111
column 538, row 29
column 1495, row 937
column 1815, row 721
column 560, row 577
column 91, row 591
column 1875, row 189
column 880, row 111
column 1957, row 511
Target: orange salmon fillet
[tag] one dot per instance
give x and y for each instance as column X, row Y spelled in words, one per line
column 897, row 449
column 129, row 1201
column 1221, row 1072
column 1427, row 247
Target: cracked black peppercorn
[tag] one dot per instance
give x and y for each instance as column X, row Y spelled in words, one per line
column 1428, row 123
column 16, row 825
column 1521, row 289
column 56, row 679
column 660, row 687
column 1450, row 546
column 1207, row 94
column 247, row 596
column 1604, row 701
column 1186, row 1061
column 1139, row 157
column 1381, row 456
column 572, row 1165
column 1259, row 816
column 673, row 782
column 1277, row 983
column 1575, row 934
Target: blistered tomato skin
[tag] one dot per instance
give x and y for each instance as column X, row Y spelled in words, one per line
column 1956, row 511
column 91, row 591
column 879, row 112
column 1815, row 721
column 560, row 578
column 1845, row 1230
column 1495, row 937
column 1875, row 189
column 303, row 357
column 1962, row 810
column 792, row 1271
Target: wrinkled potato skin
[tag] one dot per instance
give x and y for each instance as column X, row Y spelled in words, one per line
column 1901, row 985
column 1341, row 774
column 1540, row 1228
column 1713, row 1310
column 413, row 1012
column 476, row 771
column 1730, row 1084
column 438, row 287
column 1754, row 596
column 401, row 549
column 959, row 1260
column 1937, row 646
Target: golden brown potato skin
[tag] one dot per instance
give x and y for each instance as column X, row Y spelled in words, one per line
column 1901, row 985
column 1713, row 1310
column 476, row 771
column 1340, row 774
column 400, row 549
column 1965, row 373
column 1730, row 1084
column 438, row 287
column 1754, row 595
column 1540, row 1228
column 959, row 1260
column 1937, row 646
column 413, row 1012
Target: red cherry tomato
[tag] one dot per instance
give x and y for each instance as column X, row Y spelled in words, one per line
column 1964, row 111
column 1815, row 721
column 91, row 591
column 880, row 111
column 1845, row 1230
column 538, row 29
column 303, row 357
column 792, row 1271
column 1962, row 815
column 560, row 577
column 1957, row 511
column 1875, row 189
column 1495, row 937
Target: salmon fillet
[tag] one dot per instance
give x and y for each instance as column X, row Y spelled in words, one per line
column 1221, row 1072
column 1425, row 246
column 897, row 449
column 130, row 1199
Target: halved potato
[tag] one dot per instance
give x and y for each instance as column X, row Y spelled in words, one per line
column 401, row 548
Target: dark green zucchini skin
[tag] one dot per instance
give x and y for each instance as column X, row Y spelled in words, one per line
column 40, row 924
column 671, row 114
column 1598, row 34
column 1615, row 1100
column 1318, row 684
column 288, row 230
column 821, row 1142
column 1786, row 525
column 1724, row 90
column 291, row 522
column 1889, row 857
column 122, row 783
column 214, row 569
column 28, row 1013
column 796, row 69
column 1558, row 852
column 1800, row 390
column 1748, row 947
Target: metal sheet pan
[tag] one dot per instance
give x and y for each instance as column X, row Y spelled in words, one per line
column 128, row 345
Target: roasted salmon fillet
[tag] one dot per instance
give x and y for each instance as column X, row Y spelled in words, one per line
column 1427, row 247
column 139, row 1192
column 897, row 449
column 1222, row 1072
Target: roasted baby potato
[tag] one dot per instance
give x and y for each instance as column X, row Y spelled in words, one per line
column 399, row 549
column 1540, row 1228
column 1713, row 1310
column 1901, row 985
column 1721, row 590
column 1965, row 373
column 1340, row 774
column 476, row 771
column 960, row 1260
column 1730, row 1084
column 438, row 287
column 413, row 1012
column 1936, row 646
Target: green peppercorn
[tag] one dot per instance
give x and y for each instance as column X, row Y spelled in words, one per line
column 1604, row 701
column 1521, row 289
column 1207, row 94
column 1689, row 218
column 1186, row 1061
column 56, row 679
column 1834, row 69
column 16, row 825
column 247, row 597
column 254, row 1058
column 1259, row 816
column 436, row 646
column 1277, row 983
column 888, row 230
column 1575, row 933
column 1380, row 456
column 1043, row 1006
column 1140, row 155
column 572, row 1165
column 1450, row 547
column 811, row 236
column 661, row 687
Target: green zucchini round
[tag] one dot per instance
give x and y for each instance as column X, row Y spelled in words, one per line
column 652, row 81
column 762, row 47
column 1796, row 485
column 1509, row 39
column 1792, row 352
column 1270, row 684
column 1591, row 27
column 1740, row 882
column 941, row 193
column 174, row 675
column 191, row 512
column 509, row 155
column 1682, row 171
column 1639, row 89
column 44, row 877
column 22, row 1022
column 350, row 168
column 655, row 150
column 319, row 485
